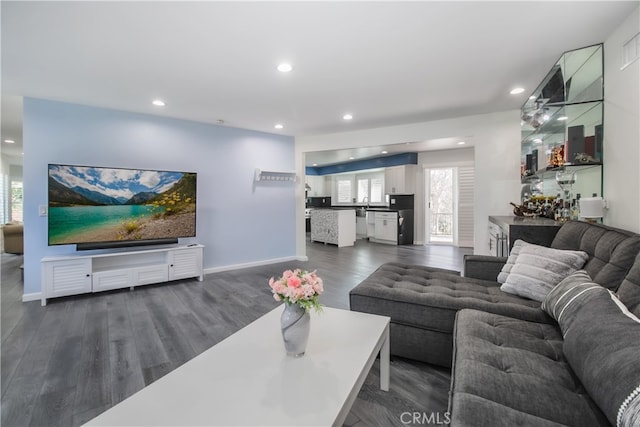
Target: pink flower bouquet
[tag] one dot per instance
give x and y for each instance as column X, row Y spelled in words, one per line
column 298, row 287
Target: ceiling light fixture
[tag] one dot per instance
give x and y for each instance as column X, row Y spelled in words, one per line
column 158, row 103
column 347, row 117
column 562, row 118
column 384, row 151
column 315, row 164
column 279, row 126
column 351, row 157
column 516, row 90
column 9, row 141
column 461, row 142
column 285, row 67
column 538, row 141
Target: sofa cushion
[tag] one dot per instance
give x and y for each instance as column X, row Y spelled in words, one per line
column 511, row 260
column 612, row 252
column 602, row 344
column 511, row 372
column 629, row 290
column 538, row 269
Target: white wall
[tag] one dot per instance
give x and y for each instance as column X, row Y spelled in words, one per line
column 622, row 130
column 496, row 141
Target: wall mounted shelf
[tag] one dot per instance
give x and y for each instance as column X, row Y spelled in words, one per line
column 272, row 176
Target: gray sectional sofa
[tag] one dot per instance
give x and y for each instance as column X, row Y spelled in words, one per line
column 571, row 359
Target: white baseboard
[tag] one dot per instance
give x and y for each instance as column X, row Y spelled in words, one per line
column 254, row 264
column 35, row 296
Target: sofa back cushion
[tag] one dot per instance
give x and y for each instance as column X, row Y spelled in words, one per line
column 629, row 290
column 612, row 252
column 601, row 344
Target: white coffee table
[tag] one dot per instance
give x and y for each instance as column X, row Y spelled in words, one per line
column 248, row 380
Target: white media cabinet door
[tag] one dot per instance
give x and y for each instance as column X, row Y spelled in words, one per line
column 67, row 277
column 185, row 263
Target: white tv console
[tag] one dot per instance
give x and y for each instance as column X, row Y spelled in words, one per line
column 78, row 274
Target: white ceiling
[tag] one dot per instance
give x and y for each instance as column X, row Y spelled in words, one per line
column 386, row 63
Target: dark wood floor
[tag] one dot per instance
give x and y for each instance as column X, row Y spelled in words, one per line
column 65, row 363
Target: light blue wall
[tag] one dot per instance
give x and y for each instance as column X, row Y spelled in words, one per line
column 238, row 220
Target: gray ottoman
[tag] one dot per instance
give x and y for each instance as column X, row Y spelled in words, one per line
column 422, row 303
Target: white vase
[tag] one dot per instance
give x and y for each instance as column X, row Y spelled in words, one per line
column 295, row 324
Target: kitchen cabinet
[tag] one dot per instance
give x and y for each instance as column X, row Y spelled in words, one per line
column 400, row 179
column 77, row 274
column 386, row 228
column 334, row 226
column 318, row 187
column 505, row 230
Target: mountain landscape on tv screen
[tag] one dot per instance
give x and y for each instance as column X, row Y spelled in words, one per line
column 88, row 204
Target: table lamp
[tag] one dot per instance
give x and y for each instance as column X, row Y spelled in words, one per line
column 591, row 208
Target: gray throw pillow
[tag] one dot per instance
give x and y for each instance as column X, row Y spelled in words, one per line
column 573, row 291
column 538, row 269
column 511, row 260
column 602, row 344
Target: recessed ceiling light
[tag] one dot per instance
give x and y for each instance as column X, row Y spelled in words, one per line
column 351, row 157
column 347, row 117
column 285, row 67
column 279, row 126
column 532, row 97
column 461, row 142
column 315, row 164
column 9, row 141
column 538, row 141
column 562, row 118
column 158, row 103
column 384, row 151
column 516, row 90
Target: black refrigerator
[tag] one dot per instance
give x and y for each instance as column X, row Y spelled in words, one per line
column 403, row 204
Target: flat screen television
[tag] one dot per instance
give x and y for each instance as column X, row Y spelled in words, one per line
column 98, row 207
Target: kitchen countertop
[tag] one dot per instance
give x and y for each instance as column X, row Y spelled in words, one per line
column 507, row 220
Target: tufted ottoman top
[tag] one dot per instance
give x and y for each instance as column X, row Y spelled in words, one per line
column 429, row 297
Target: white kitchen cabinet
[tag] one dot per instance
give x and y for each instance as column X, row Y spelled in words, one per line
column 386, row 228
column 318, row 186
column 400, row 179
column 335, row 226
column 76, row 274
